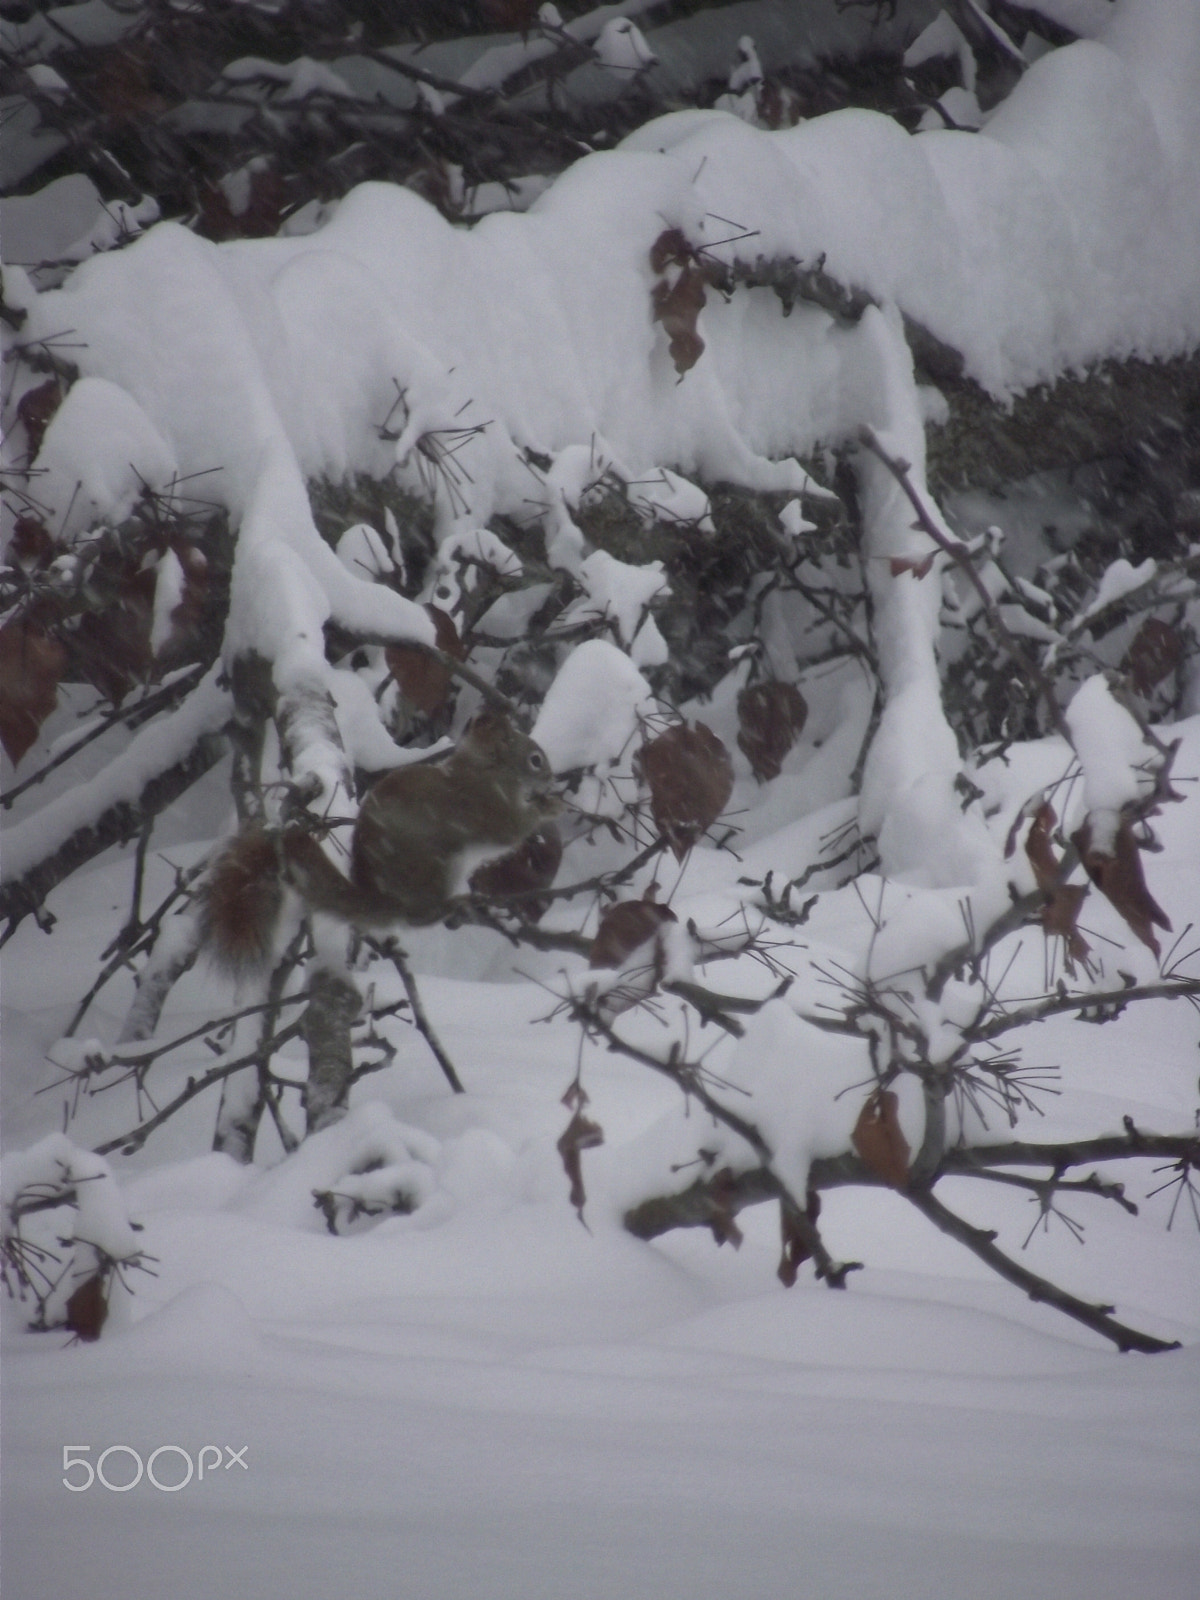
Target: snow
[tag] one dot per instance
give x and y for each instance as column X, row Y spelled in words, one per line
column 485, row 1396
column 466, row 552
column 54, row 1163
column 152, row 751
column 943, row 37
column 362, row 549
column 168, row 592
column 591, row 713
column 1086, row 18
column 616, row 591
column 621, row 47
column 482, row 1378
column 98, row 454
column 670, row 498
column 1066, row 230
column 67, row 220
column 300, row 78
column 475, row 1394
column 1120, row 578
column 1109, row 745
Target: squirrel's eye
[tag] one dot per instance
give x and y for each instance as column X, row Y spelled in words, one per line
column 537, row 761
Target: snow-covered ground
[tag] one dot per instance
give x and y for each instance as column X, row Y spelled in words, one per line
column 489, row 1398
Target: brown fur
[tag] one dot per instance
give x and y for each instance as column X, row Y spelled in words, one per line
column 413, row 831
column 242, row 900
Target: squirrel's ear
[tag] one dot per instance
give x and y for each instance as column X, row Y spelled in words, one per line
column 489, row 728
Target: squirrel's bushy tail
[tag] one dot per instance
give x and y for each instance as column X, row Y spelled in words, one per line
column 242, row 898
column 241, row 902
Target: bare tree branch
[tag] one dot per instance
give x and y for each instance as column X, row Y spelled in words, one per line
column 981, row 1242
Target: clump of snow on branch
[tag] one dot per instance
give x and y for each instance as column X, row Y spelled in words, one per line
column 47, row 1259
column 590, row 718
column 1111, row 750
column 390, row 339
column 99, row 453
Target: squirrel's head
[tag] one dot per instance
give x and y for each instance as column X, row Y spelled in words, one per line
column 492, row 741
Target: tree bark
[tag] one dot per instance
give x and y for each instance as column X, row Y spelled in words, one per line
column 331, row 1012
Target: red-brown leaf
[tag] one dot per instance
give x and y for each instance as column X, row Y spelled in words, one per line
column 879, row 1140
column 722, row 1220
column 187, row 617
column 690, row 777
column 531, row 866
column 31, row 666
column 779, row 106
column 771, row 717
column 795, row 1248
column 1060, row 915
column 112, row 647
column 87, row 1309
column 36, row 407
column 31, row 545
column 919, row 569
column 1046, row 865
column 124, row 83
column 677, row 305
column 580, row 1134
column 624, row 928
column 516, row 16
column 424, row 681
column 1154, row 653
column 1119, row 878
column 258, row 218
column 671, row 249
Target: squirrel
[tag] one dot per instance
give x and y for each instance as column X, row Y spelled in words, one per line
column 419, row 831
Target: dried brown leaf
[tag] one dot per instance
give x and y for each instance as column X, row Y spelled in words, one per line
column 690, row 777
column 671, row 249
column 580, row 1134
column 678, row 302
column 112, row 647
column 722, row 1220
column 795, row 1238
column 187, row 616
column 1060, row 915
column 1154, row 653
column 771, row 717
column 242, row 897
column 124, row 81
column 779, row 106
column 1038, row 847
column 259, row 216
column 87, row 1309
column 515, row 16
column 1118, row 876
column 36, row 407
column 879, row 1140
column 32, row 545
column 32, row 663
column 624, row 928
column 919, row 569
column 424, row 681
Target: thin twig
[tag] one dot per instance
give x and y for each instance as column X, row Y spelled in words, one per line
column 133, row 1141
column 1095, row 1000
column 392, row 952
column 982, row 1243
